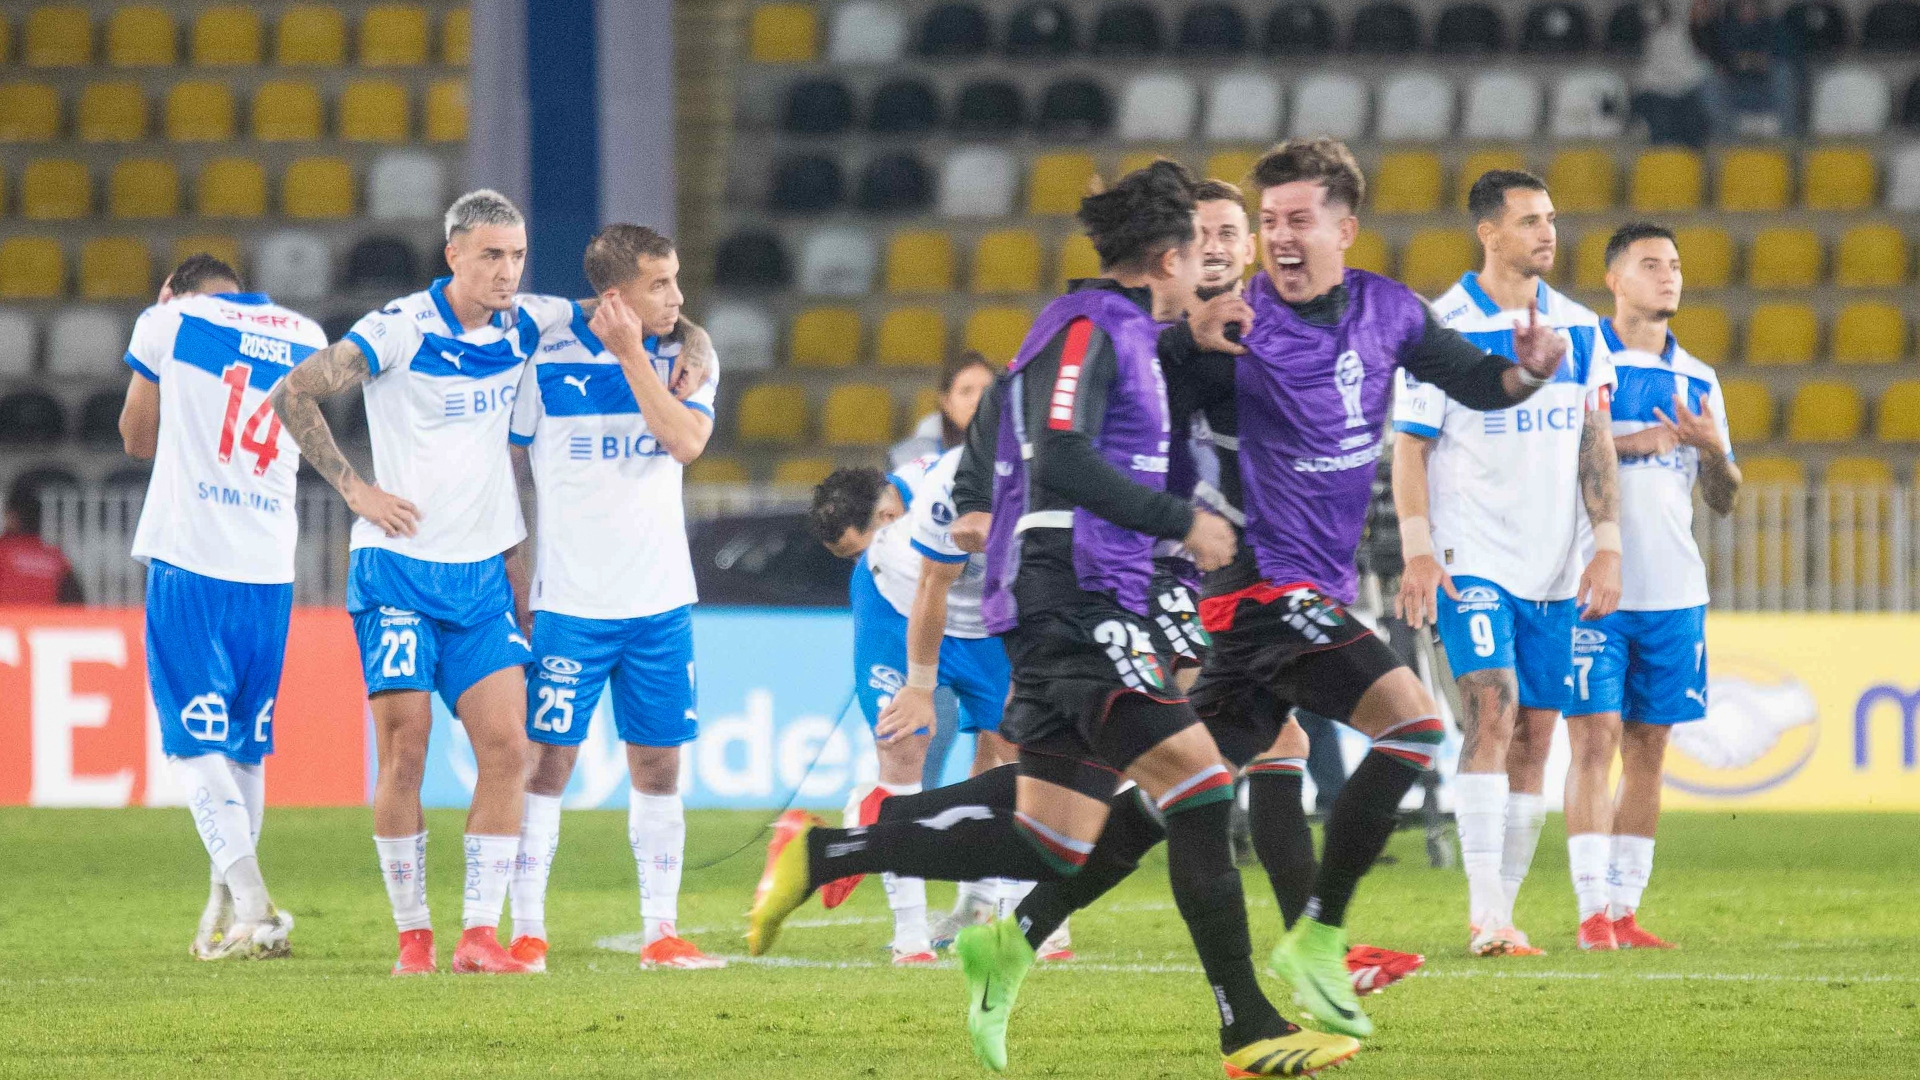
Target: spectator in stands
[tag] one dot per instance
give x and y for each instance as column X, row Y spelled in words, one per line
column 962, row 380
column 1670, row 89
column 1756, row 68
column 32, row 571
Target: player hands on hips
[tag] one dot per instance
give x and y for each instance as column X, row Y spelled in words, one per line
column 612, row 587
column 219, row 584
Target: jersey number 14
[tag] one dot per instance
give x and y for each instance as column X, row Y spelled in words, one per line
column 264, row 449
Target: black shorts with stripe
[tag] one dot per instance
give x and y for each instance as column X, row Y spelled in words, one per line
column 1174, row 610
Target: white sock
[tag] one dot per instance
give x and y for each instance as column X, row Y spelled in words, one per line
column 907, row 896
column 1480, row 810
column 657, row 832
column 1587, row 855
column 489, row 872
column 252, row 780
column 1010, row 894
column 1627, row 877
column 219, row 809
column 1526, row 815
column 971, row 895
column 539, row 839
column 403, row 863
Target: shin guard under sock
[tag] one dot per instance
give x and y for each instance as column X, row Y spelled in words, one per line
column 1281, row 837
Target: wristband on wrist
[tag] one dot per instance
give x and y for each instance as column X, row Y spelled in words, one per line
column 923, row 676
column 1416, row 538
column 1530, row 380
column 1606, row 536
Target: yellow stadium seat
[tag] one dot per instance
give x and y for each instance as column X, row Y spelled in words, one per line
column 1007, row 261
column 773, row 413
column 232, row 188
column 32, row 268
column 1134, row 161
column 1869, row 333
column 111, row 112
column 996, row 332
column 287, row 110
column 200, row 110
column 1703, row 330
column 55, row 189
column 1899, row 413
column 1706, row 256
column 1754, row 178
column 140, row 36
column 1590, row 260
column 783, row 34
column 1369, row 252
column 1233, row 166
column 143, row 188
column 224, row 248
column 926, row 402
column 116, row 268
column 1859, row 471
column 29, row 112
column 1057, row 182
column 717, row 469
column 1666, row 181
column 912, row 337
column 827, row 337
column 456, row 37
column 1749, row 410
column 393, row 35
column 1838, row 178
column 920, row 261
column 57, row 35
column 802, row 471
column 1871, row 255
column 317, row 188
column 1763, row 469
column 1407, row 182
column 1077, row 260
column 227, row 37
column 6, row 38
column 311, row 35
column 1435, row 258
column 446, row 111
column 1478, row 163
column 374, row 110
column 1782, row 334
column 1784, row 258
column 1825, row 412
column 1582, row 181
column 857, row 414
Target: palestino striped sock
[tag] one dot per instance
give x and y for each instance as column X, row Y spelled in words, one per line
column 1415, row 742
column 1278, row 819
column 1208, row 786
column 1362, row 819
column 1278, row 766
column 1061, row 852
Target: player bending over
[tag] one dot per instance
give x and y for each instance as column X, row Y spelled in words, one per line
column 612, row 591
column 1646, row 662
column 1490, row 503
column 218, row 533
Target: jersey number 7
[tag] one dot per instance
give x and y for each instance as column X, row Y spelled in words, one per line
column 264, row 450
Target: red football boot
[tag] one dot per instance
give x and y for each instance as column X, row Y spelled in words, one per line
column 835, row 893
column 530, row 951
column 416, row 953
column 1374, row 969
column 1596, row 933
column 1627, row 932
column 481, row 953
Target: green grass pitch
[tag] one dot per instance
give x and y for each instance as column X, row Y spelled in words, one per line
column 1800, row 936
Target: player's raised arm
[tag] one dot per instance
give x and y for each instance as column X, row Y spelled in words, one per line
column 1480, row 380
column 682, row 430
column 1705, row 432
column 696, row 362
column 296, row 401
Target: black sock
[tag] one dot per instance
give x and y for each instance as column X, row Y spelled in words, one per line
column 1358, row 828
column 963, row 844
column 1206, row 888
column 1130, row 833
column 1281, row 837
column 993, row 788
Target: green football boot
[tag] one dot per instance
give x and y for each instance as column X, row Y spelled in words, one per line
column 995, row 958
column 1313, row 957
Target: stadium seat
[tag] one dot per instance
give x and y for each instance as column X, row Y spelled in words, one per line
column 393, row 35
column 456, row 37
column 1233, row 166
column 1057, row 183
column 1134, row 161
column 19, row 344
column 824, row 337
column 287, row 110
column 1469, row 29
column 1891, row 26
column 57, row 35
column 920, row 261
column 1158, row 107
column 913, row 337
column 1704, row 330
column 838, row 262
column 1480, row 162
column 1784, row 258
column 1415, row 106
column 317, row 187
column 1749, row 410
column 1819, row 28
column 894, row 184
column 1501, row 105
column 782, row 34
column 743, row 335
column 224, row 248
column 1076, row 260
column 32, row 268
column 140, row 35
column 1211, row 29
column 1667, row 181
column 822, row 106
column 143, row 188
column 1434, row 259
column 1754, row 179
column 1074, row 109
column 1869, row 333
column 926, row 402
column 1369, row 252
column 1555, row 28
column 996, row 332
column 1706, row 254
column 1899, row 420
column 111, row 112
column 802, row 472
column 1298, row 28
column 1763, row 469
column 55, row 189
column 857, row 414
column 1385, row 28
column 1825, row 412
column 1903, row 183
column 717, row 469
column 1582, row 181
column 311, row 35
column 989, row 107
column 977, row 182
column 31, row 417
column 1330, row 103
column 1407, row 182
column 954, row 31
column 807, row 184
column 752, row 259
column 446, row 111
column 232, row 188
column 1589, row 104
column 1590, row 260
column 1852, row 470
column 374, row 111
column 200, row 110
column 116, row 268
column 1838, row 178
column 1243, row 106
column 1850, row 99
column 29, row 112
column 86, row 342
column 866, row 32
column 1782, row 334
column 1042, row 29
column 226, row 37
column 1007, row 261
column 1871, row 255
column 906, row 106
column 1127, row 29
column 772, row 413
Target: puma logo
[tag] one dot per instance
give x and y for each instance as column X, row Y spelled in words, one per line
column 452, row 358
column 578, row 382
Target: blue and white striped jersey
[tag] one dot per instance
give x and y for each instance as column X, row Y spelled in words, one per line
column 926, row 532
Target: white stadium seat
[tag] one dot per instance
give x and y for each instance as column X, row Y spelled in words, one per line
column 978, row 182
column 1243, row 106
column 404, row 185
column 1850, row 99
column 1502, row 105
column 1158, row 108
column 293, row 265
column 87, row 342
column 838, row 262
column 1903, row 179
column 866, row 32
column 1330, row 104
column 1415, row 106
column 18, row 340
column 1589, row 105
column 743, row 336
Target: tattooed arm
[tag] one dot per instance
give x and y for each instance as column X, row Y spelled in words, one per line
column 296, row 400
column 1600, row 490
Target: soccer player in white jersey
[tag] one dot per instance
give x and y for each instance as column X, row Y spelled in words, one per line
column 612, row 590
column 1646, row 663
column 427, row 586
column 217, row 533
column 1490, row 504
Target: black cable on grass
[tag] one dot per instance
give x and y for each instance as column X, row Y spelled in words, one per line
column 839, row 717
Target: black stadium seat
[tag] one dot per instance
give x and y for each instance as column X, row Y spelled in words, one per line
column 1556, row 28
column 752, row 259
column 955, row 32
column 44, row 478
column 1891, row 26
column 100, row 419
column 1386, row 29
column 1126, row 29
column 1042, row 30
column 335, row 326
column 30, row 417
column 382, row 262
column 1074, row 108
column 807, row 184
column 1819, row 26
column 895, row 184
column 1298, row 28
column 818, row 107
column 1910, row 106
column 989, row 107
column 1465, row 29
column 904, row 106
column 132, row 476
column 1212, row 29
column 1627, row 28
